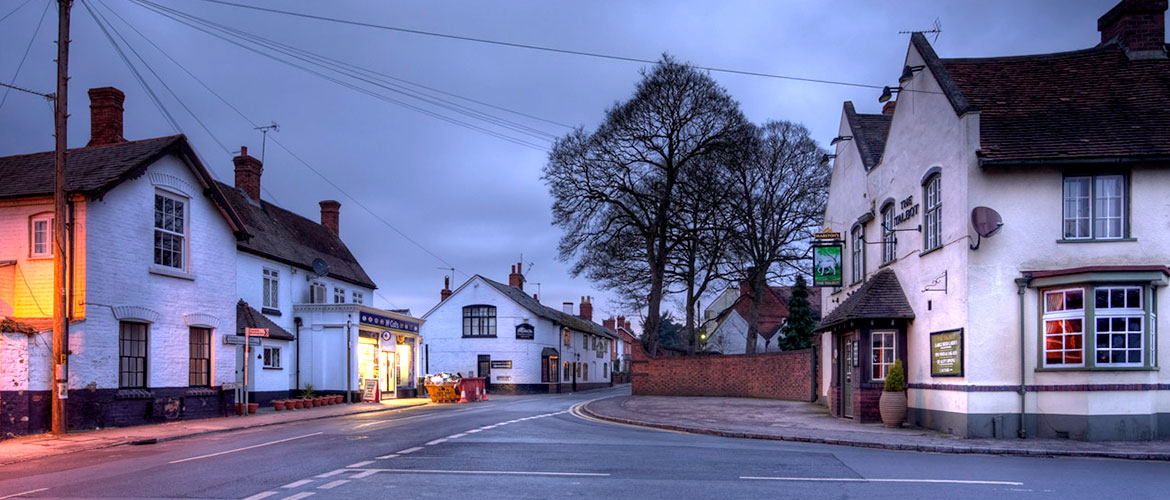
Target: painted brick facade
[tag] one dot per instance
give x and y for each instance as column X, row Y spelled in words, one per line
column 782, row 375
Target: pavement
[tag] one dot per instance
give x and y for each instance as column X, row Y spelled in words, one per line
column 38, row 446
column 811, row 423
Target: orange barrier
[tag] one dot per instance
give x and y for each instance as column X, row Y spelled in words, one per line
column 471, row 390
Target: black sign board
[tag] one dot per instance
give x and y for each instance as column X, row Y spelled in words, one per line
column 502, row 365
column 525, row 331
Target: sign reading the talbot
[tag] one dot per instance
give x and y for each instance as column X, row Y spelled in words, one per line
column 946, row 353
column 908, row 210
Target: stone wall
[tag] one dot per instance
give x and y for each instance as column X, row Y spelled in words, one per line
column 775, row 375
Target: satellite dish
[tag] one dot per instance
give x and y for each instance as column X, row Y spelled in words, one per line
column 320, row 267
column 987, row 222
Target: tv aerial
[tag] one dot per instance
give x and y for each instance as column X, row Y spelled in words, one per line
column 935, row 29
column 987, row 222
column 320, row 267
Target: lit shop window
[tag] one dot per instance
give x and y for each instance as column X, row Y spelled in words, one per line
column 1064, row 327
column 1119, row 320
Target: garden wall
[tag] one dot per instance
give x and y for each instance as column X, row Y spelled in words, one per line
column 788, row 375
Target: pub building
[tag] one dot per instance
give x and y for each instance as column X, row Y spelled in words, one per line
column 1002, row 236
column 499, row 332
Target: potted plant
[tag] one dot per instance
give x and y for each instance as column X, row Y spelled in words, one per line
column 253, row 408
column 278, row 404
column 892, row 404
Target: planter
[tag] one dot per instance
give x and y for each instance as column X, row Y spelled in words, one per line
column 315, row 402
column 253, row 407
column 239, row 408
column 892, row 406
column 300, row 404
column 338, row 399
column 328, row 400
column 278, row 405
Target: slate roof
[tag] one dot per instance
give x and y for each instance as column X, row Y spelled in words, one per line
column 574, row 322
column 879, row 298
column 869, row 134
column 287, row 237
column 249, row 317
column 93, row 171
column 1081, row 105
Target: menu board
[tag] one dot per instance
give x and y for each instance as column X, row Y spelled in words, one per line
column 946, row 353
column 370, row 389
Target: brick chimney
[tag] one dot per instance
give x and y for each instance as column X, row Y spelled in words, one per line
column 609, row 323
column 516, row 279
column 1140, row 26
column 248, row 170
column 331, row 216
column 446, row 291
column 888, row 108
column 105, row 116
column 587, row 308
column 567, row 307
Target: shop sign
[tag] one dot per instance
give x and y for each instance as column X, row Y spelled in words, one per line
column 525, row 331
column 946, row 353
column 502, row 365
column 827, row 265
column 827, row 234
column 908, row 210
column 504, row 378
column 370, row 389
column 377, row 320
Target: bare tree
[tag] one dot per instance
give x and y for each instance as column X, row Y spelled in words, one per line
column 779, row 198
column 622, row 178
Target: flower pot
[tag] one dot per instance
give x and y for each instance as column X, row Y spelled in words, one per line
column 299, row 403
column 892, row 407
column 278, row 405
column 253, row 407
column 239, row 408
column 337, row 399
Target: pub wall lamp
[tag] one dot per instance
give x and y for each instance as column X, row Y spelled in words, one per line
column 825, row 159
column 888, row 93
column 839, row 139
column 908, row 73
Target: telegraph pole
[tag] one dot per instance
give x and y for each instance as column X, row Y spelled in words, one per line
column 60, row 117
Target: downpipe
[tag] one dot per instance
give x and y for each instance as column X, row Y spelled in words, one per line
column 1022, row 287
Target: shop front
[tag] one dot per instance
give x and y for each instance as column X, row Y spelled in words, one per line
column 388, row 352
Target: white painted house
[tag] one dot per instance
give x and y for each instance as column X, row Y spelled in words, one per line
column 488, row 329
column 149, row 233
column 1049, row 327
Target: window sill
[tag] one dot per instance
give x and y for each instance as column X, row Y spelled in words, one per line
column 930, row 251
column 480, row 336
column 200, row 392
column 1098, row 240
column 272, row 368
column 1099, row 369
column 171, row 272
column 270, row 311
column 133, row 394
column 41, row 257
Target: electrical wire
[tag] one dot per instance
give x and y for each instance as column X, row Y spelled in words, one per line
column 26, row 51
column 283, row 147
column 18, row 7
column 22, row 89
column 175, row 16
column 546, row 48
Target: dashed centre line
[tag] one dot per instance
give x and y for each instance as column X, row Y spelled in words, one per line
column 297, row 484
column 384, row 457
column 360, row 464
column 410, row 450
column 332, row 484
column 437, row 441
column 299, row 496
column 258, row 496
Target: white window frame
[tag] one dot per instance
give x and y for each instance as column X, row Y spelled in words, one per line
column 182, row 235
column 889, row 240
column 269, row 357
column 883, row 364
column 359, row 298
column 1127, row 312
column 317, row 292
column 271, row 289
column 1063, row 316
column 338, row 295
column 1092, row 215
column 47, row 245
column 857, row 237
column 932, row 216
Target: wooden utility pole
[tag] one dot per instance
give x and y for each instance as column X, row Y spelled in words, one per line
column 60, row 118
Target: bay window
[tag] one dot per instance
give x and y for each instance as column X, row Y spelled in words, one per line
column 1098, row 326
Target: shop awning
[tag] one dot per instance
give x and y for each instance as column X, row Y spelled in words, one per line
column 879, row 298
column 548, row 351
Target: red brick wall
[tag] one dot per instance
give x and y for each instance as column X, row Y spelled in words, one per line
column 776, row 375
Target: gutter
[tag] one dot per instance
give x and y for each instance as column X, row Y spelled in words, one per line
column 1022, row 284
column 1112, row 160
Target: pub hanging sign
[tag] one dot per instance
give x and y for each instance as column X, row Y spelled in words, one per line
column 525, row 331
column 946, row 353
column 827, row 264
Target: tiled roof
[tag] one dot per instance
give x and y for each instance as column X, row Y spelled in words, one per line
column 95, row 170
column 249, row 317
column 773, row 308
column 869, row 134
column 284, row 236
column 879, row 298
column 574, row 322
column 1081, row 105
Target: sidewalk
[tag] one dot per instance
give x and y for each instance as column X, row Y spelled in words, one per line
column 33, row 447
column 809, row 423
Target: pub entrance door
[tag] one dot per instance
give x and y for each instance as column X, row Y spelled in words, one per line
column 485, row 369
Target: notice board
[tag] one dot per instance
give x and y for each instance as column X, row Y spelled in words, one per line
column 946, row 353
column 370, row 389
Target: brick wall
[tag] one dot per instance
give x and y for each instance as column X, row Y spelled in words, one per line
column 776, row 375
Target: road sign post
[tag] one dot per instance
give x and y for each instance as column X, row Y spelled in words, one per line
column 248, row 334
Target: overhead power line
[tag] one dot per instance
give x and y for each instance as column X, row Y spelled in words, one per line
column 13, row 11
column 245, row 117
column 16, row 74
column 540, row 47
column 22, row 89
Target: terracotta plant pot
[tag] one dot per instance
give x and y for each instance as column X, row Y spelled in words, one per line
column 278, row 405
column 892, row 406
column 239, row 408
column 253, row 407
column 328, row 400
column 300, row 403
column 338, row 399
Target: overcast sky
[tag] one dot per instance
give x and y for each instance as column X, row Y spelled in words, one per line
column 474, row 200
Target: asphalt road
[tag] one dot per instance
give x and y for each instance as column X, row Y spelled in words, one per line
column 541, row 447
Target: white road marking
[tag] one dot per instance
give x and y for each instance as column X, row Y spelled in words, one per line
column 258, row 496
column 457, row 436
column 14, row 495
column 437, row 441
column 369, row 472
column 384, row 457
column 864, row 480
column 363, row 474
column 473, row 431
column 299, row 496
column 486, row 427
column 244, row 448
column 410, row 450
column 360, row 464
column 297, row 484
column 334, row 484
column 330, row 473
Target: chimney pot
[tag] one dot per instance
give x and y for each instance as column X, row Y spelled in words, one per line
column 567, row 307
column 248, row 171
column 331, row 215
column 586, row 308
column 888, row 109
column 516, row 279
column 446, row 291
column 105, row 116
column 1140, row 25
